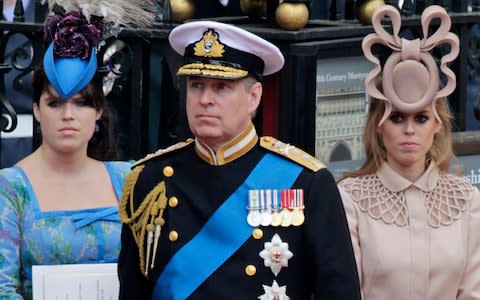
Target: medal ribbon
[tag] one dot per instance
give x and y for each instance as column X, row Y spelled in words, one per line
column 268, row 201
column 276, row 201
column 222, row 235
column 253, row 200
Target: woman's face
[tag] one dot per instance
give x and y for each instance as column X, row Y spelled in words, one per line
column 66, row 125
column 408, row 137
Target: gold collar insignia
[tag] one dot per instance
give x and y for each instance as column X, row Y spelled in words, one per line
column 209, row 45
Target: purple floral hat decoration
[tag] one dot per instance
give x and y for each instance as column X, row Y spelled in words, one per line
column 75, row 29
column 410, row 76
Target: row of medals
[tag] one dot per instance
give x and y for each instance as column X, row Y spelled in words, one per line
column 271, row 207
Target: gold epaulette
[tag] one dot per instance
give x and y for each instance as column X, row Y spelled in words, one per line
column 293, row 153
column 159, row 152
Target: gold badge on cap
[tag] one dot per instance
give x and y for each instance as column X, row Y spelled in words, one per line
column 209, row 45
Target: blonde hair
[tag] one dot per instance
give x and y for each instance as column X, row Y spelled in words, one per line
column 440, row 153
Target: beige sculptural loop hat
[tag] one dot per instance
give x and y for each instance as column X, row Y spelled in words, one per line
column 410, row 76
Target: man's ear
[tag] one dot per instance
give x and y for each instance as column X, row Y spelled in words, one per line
column 255, row 95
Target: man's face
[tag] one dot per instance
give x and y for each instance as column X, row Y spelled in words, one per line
column 219, row 109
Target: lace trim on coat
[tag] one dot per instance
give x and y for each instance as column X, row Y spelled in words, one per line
column 444, row 204
column 374, row 198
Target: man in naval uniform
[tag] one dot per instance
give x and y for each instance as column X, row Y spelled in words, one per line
column 228, row 214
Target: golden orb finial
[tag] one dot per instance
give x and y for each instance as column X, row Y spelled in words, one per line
column 292, row 15
column 364, row 10
column 182, row 10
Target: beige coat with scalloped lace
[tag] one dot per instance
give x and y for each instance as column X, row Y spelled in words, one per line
column 414, row 241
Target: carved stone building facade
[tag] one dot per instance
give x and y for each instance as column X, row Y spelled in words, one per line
column 341, row 107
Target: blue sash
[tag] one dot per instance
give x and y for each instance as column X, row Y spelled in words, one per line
column 223, row 233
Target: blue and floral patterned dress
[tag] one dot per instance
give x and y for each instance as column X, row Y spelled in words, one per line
column 29, row 236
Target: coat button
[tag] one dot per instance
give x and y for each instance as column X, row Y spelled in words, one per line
column 168, row 171
column 173, row 201
column 257, row 234
column 250, row 270
column 173, row 236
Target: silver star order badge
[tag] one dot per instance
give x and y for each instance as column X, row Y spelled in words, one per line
column 276, row 254
column 274, row 292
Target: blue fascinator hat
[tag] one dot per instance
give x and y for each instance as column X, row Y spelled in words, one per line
column 75, row 29
column 69, row 76
column 70, row 61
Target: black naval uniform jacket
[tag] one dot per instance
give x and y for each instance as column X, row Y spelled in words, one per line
column 322, row 264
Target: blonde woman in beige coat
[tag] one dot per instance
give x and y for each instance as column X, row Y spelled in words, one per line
column 415, row 228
